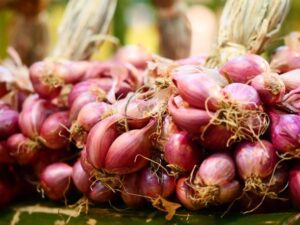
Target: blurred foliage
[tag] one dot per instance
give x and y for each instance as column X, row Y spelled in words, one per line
column 133, row 31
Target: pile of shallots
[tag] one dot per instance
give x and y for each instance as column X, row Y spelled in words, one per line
column 137, row 130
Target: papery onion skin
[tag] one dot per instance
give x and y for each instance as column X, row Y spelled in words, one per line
column 217, row 169
column 154, row 185
column 243, row 68
column 245, row 96
column 294, row 185
column 285, row 131
column 8, row 122
column 179, row 151
column 80, row 178
column 56, row 180
column 131, row 191
column 291, row 101
column 54, row 133
column 256, row 159
column 99, row 193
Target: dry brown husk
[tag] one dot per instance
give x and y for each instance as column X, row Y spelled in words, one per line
column 247, row 26
column 84, row 27
column 174, row 29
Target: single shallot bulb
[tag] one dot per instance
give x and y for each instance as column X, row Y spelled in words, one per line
column 22, row 149
column 285, row 132
column 131, row 191
column 56, row 180
column 285, row 59
column 88, row 116
column 270, row 87
column 291, row 101
column 242, row 69
column 181, row 153
column 100, row 193
column 197, row 88
column 255, row 164
column 54, row 134
column 213, row 184
column 156, row 183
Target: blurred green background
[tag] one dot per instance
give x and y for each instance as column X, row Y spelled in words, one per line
column 134, row 23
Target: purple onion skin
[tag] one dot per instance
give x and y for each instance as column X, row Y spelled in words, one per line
column 294, row 185
column 54, row 132
column 131, row 191
column 242, row 94
column 217, row 169
column 99, row 193
column 85, row 163
column 243, row 68
column 8, row 123
column 155, row 185
column 256, row 159
column 80, row 178
column 56, row 180
column 181, row 152
column 285, row 131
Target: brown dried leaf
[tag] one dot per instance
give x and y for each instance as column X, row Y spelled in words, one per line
column 166, row 206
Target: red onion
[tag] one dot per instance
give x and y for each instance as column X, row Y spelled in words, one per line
column 197, row 88
column 118, row 154
column 99, row 193
column 48, row 77
column 80, row 178
column 285, row 132
column 243, row 68
column 133, row 54
column 131, row 191
column 214, row 183
column 126, row 154
column 83, row 99
column 270, row 87
column 243, row 95
column 56, row 180
column 187, row 118
column 290, row 101
column 22, row 149
column 216, row 138
column 285, row 59
column 33, row 116
column 294, row 185
column 8, row 122
column 155, row 184
column 37, row 72
column 291, row 79
column 54, row 133
column 5, row 157
column 255, row 163
column 180, row 153
column 88, row 116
